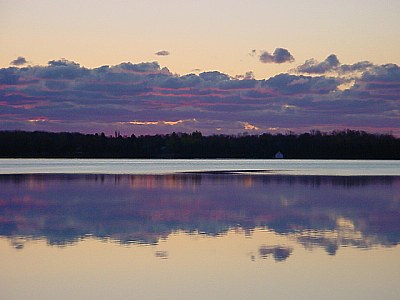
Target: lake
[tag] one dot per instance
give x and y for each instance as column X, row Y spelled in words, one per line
column 199, row 229
column 168, row 166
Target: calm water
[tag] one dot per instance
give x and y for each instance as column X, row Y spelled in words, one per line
column 199, row 235
column 165, row 166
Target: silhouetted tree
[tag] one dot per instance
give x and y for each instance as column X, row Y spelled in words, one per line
column 348, row 144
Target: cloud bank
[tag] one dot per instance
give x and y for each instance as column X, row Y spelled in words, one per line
column 145, row 98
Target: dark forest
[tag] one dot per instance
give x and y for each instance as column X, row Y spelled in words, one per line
column 348, row 144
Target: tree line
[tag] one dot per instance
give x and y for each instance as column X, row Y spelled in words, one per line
column 347, row 144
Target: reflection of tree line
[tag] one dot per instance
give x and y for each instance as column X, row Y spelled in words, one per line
column 193, row 179
column 143, row 209
column 340, row 145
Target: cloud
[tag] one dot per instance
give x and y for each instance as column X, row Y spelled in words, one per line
column 143, row 122
column 249, row 75
column 185, row 81
column 19, row 61
column 238, row 84
column 62, row 62
column 109, row 98
column 312, row 66
column 253, row 52
column 140, row 67
column 162, row 53
column 293, row 84
column 248, row 126
column 9, row 76
column 38, row 120
column 357, row 67
column 170, row 123
column 379, row 83
column 58, row 70
column 214, row 76
column 332, row 65
column 384, row 73
column 279, row 56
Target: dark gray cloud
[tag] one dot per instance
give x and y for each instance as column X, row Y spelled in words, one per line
column 312, row 66
column 357, row 67
column 279, row 56
column 214, row 76
column 56, row 85
column 140, row 67
column 185, row 81
column 238, row 84
column 386, row 73
column 249, row 75
column 63, row 63
column 332, row 60
column 60, row 69
column 332, row 64
column 282, row 55
column 266, row 58
column 19, row 61
column 293, row 84
column 162, row 53
column 9, row 76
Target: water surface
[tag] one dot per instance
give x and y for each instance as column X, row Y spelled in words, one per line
column 167, row 166
column 196, row 236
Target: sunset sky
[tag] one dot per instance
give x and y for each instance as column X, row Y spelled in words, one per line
column 148, row 67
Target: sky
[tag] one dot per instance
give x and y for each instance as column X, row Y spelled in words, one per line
column 149, row 67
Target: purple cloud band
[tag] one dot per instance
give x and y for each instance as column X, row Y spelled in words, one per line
column 144, row 98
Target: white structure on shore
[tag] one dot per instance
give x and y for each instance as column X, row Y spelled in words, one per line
column 279, row 154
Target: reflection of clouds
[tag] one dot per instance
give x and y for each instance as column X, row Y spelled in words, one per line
column 151, row 182
column 279, row 253
column 248, row 181
column 345, row 234
column 327, row 212
column 165, row 181
column 161, row 254
column 18, row 242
